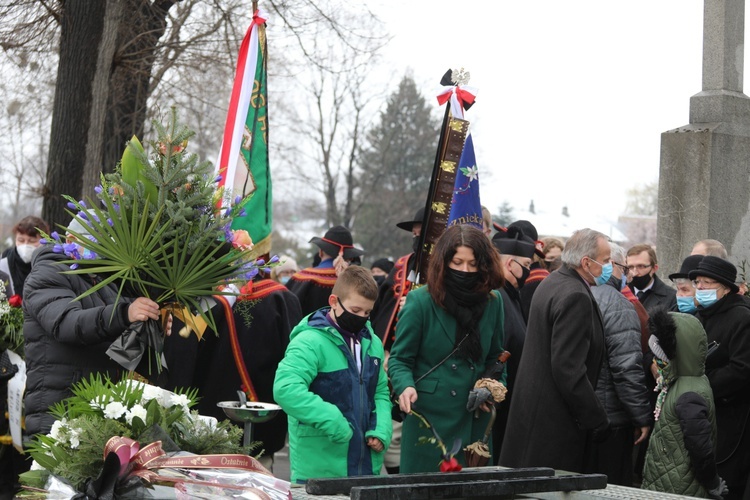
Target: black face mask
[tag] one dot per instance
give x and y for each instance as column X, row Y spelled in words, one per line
column 461, row 279
column 379, row 280
column 415, row 243
column 350, row 321
column 641, row 282
column 524, row 276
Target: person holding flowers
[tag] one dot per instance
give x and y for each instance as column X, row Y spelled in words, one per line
column 153, row 243
column 66, row 339
column 449, row 333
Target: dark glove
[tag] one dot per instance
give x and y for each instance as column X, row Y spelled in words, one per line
column 477, row 397
column 720, row 490
column 7, row 369
column 602, row 433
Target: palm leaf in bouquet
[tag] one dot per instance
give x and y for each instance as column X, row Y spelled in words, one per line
column 155, row 231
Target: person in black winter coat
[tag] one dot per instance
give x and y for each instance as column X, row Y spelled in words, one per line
column 516, row 251
column 622, row 382
column 726, row 317
column 66, row 339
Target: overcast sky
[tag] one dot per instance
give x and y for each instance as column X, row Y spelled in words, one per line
column 573, row 95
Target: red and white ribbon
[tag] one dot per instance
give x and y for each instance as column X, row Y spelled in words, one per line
column 239, row 103
column 459, row 97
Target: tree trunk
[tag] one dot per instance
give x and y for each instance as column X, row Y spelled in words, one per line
column 82, row 22
column 100, row 97
column 138, row 35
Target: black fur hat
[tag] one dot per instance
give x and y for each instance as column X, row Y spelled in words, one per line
column 663, row 340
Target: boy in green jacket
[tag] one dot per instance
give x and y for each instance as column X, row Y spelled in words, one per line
column 332, row 386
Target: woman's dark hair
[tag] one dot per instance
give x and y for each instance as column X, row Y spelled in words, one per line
column 30, row 226
column 488, row 260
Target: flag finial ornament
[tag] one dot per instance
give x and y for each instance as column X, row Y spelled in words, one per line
column 460, row 76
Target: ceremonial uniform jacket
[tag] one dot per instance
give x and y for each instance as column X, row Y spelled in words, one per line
column 385, row 313
column 263, row 319
column 313, row 286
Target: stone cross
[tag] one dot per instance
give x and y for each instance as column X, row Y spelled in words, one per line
column 723, row 44
column 705, row 165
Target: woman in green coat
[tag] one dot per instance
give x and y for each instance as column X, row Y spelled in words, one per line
column 453, row 329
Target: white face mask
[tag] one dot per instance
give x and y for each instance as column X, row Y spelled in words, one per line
column 25, row 251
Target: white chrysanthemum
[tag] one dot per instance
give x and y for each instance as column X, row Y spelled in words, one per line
column 59, row 430
column 114, row 410
column 75, row 440
column 150, row 392
column 179, row 399
column 136, row 411
column 204, row 421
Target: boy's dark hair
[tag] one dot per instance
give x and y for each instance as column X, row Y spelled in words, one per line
column 355, row 279
column 28, row 226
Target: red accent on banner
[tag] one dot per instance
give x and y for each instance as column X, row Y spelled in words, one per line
column 233, row 105
column 464, row 96
column 239, row 360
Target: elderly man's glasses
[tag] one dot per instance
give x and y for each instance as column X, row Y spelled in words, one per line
column 622, row 267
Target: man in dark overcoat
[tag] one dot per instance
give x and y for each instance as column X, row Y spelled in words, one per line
column 555, row 415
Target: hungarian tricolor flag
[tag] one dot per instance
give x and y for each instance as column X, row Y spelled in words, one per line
column 243, row 159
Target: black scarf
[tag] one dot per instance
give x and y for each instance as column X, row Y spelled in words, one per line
column 18, row 271
column 467, row 306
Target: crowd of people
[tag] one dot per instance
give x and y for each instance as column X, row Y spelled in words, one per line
column 611, row 369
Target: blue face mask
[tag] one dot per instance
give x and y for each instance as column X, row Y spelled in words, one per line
column 284, row 279
column 623, row 281
column 606, row 274
column 686, row 305
column 706, row 298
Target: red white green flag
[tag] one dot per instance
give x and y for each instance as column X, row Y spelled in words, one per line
column 243, row 159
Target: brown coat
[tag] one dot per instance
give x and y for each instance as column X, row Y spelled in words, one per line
column 554, row 408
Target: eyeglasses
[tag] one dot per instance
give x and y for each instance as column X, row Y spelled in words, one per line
column 639, row 267
column 621, row 266
column 705, row 283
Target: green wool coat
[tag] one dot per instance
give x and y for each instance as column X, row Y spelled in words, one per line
column 425, row 335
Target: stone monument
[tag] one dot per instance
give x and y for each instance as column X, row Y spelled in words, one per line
column 704, row 176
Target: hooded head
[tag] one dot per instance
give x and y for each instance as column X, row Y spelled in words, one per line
column 678, row 339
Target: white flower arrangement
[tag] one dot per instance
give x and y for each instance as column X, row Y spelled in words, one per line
column 100, row 409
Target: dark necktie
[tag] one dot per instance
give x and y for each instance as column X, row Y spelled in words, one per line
column 641, row 295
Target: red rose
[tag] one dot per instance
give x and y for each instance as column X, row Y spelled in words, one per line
column 15, row 301
column 450, row 465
